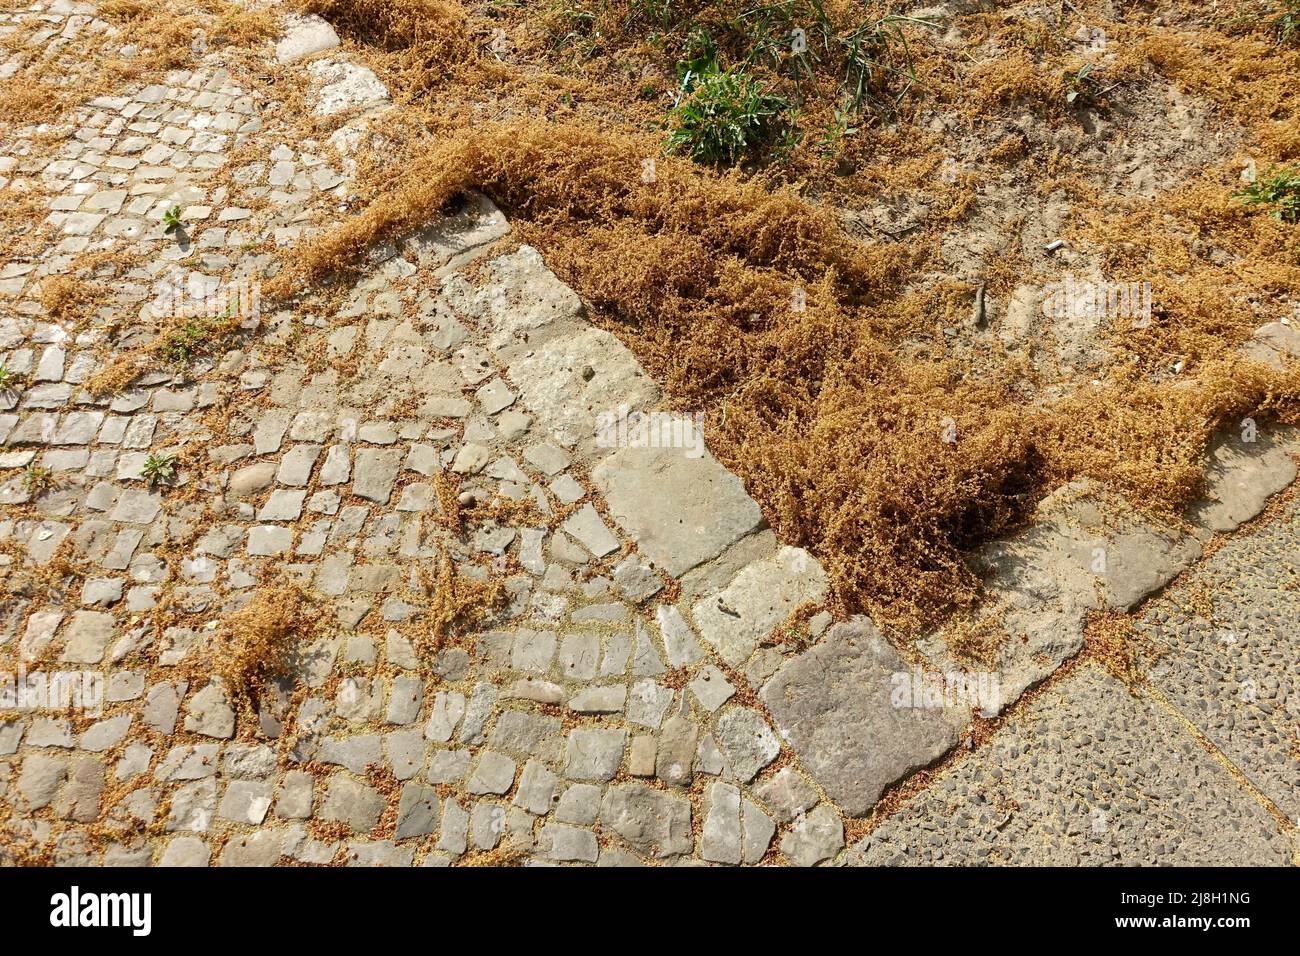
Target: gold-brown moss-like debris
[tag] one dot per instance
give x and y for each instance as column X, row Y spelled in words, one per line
column 256, row 644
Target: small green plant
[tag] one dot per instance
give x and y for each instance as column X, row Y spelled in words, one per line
column 36, row 479
column 158, row 468
column 879, row 61
column 1287, row 23
column 1079, row 86
column 575, row 29
column 1279, row 188
column 7, row 378
column 833, row 135
column 720, row 114
column 180, row 346
column 172, row 220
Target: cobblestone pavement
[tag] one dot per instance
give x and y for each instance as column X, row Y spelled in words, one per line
column 529, row 643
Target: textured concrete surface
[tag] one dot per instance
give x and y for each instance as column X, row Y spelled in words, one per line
column 1235, row 674
column 1089, row 775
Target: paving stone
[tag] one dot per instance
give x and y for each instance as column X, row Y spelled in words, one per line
column 106, row 733
column 453, row 835
column 533, row 651
column 495, row 773
column 536, row 791
column 269, row 540
column 747, row 741
column 376, row 473
column 295, row 799
column 296, row 465
column 579, row 656
column 261, row 848
column 353, row 803
column 193, row 806
column 252, row 479
column 359, row 698
column 405, row 752
column 417, row 811
column 641, row 756
column 40, row 779
column 245, row 801
column 337, row 467
column 248, row 762
column 547, row 457
column 788, row 794
column 680, row 646
column 711, row 688
column 185, row 851
column 1242, row 476
column 136, row 507
column 487, row 822
column 50, row 732
column 567, row 381
column 347, row 86
column 405, row 700
column 1044, row 581
column 846, row 681
column 675, row 756
column 304, row 36
column 813, row 838
column 757, row 601
column 653, row 821
column 680, row 511
column 448, row 709
column 103, row 592
column 757, row 830
column 648, row 702
column 720, row 836
column 448, row 766
column 282, row 505
column 586, row 525
column 528, row 735
column 477, row 713
column 1232, row 674
column 86, row 637
column 495, row 396
column 594, row 754
column 209, row 713
column 162, row 706
column 557, row 841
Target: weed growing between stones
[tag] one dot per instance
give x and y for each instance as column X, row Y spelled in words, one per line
column 456, row 602
column 1113, row 641
column 721, row 113
column 1278, row 191
column 256, row 644
column 66, row 297
column 179, row 341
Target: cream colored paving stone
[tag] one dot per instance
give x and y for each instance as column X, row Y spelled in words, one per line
column 758, row 600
